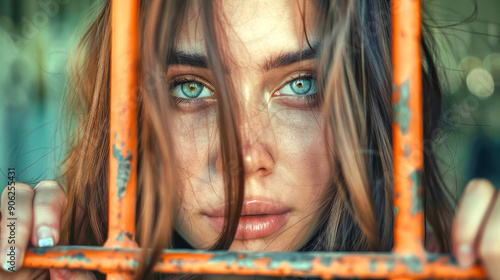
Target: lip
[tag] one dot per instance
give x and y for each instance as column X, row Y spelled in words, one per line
column 259, row 218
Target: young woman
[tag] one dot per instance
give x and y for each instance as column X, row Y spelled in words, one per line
column 264, row 126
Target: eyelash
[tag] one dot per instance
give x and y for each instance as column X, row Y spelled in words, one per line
column 308, row 98
column 191, row 102
column 203, row 102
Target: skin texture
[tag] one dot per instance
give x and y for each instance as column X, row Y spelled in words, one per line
column 282, row 151
column 284, row 147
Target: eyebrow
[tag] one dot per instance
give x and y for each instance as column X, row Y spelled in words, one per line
column 188, row 59
column 200, row 61
column 285, row 59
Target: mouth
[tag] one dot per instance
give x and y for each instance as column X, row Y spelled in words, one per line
column 259, row 218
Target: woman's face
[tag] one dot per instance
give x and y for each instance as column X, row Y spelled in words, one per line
column 271, row 68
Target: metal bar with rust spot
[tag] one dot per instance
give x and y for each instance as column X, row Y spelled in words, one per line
column 315, row 264
column 123, row 126
column 407, row 128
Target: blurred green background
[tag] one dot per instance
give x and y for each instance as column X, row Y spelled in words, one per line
column 36, row 37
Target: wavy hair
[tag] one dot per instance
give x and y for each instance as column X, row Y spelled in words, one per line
column 355, row 86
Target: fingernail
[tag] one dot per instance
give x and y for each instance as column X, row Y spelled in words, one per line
column 45, row 237
column 9, row 263
column 465, row 258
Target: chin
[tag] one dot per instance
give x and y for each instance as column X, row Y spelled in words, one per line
column 277, row 244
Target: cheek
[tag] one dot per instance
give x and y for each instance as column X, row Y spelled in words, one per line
column 304, row 166
column 194, row 136
column 302, row 148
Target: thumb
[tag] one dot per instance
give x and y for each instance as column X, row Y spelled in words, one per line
column 68, row 274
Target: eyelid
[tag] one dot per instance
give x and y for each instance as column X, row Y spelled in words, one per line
column 175, row 81
column 289, row 79
column 298, row 76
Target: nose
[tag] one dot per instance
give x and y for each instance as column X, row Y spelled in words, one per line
column 256, row 135
column 256, row 145
column 257, row 159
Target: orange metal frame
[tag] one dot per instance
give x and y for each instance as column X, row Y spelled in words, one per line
column 118, row 258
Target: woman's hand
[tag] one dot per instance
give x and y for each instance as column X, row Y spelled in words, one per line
column 37, row 212
column 476, row 227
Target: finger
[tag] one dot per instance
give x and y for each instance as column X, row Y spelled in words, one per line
column 489, row 249
column 17, row 221
column 469, row 217
column 25, row 273
column 67, row 274
column 48, row 205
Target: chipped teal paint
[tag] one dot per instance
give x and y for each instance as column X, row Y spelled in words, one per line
column 401, row 108
column 326, row 261
column 39, row 251
column 373, row 266
column 416, row 202
column 122, row 235
column 389, row 265
column 413, row 264
column 133, row 263
column 396, row 210
column 58, row 249
column 231, row 258
column 78, row 257
column 124, row 168
column 407, row 151
column 294, row 260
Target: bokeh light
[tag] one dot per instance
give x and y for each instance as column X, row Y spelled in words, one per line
column 480, row 83
column 492, row 64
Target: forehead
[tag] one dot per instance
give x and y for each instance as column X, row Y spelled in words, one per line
column 253, row 30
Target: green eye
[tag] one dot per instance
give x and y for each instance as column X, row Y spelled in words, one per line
column 301, row 86
column 191, row 90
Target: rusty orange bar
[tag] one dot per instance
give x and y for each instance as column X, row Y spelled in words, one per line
column 407, row 128
column 314, row 264
column 123, row 126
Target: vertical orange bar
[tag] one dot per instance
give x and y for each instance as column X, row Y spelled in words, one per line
column 407, row 128
column 123, row 126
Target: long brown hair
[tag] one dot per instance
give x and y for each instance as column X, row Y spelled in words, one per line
column 355, row 86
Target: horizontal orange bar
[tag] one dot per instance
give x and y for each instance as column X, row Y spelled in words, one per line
column 317, row 264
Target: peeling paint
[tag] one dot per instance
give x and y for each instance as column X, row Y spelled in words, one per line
column 133, row 263
column 413, row 264
column 389, row 265
column 373, row 266
column 124, row 168
column 121, row 236
column 300, row 264
column 326, row 261
column 407, row 150
column 39, row 251
column 416, row 202
column 295, row 260
column 78, row 257
column 402, row 108
column 63, row 249
column 231, row 258
column 396, row 210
